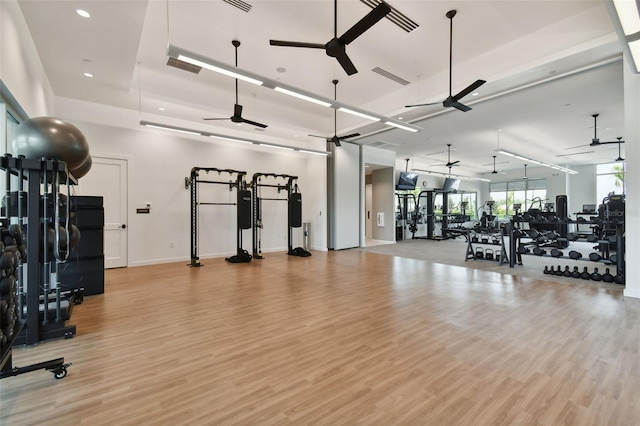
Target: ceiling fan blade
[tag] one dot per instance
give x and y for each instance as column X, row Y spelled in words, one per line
column 470, row 88
column 346, row 64
column 296, row 44
column 253, row 123
column 461, row 107
column 353, row 135
column 209, row 119
column 453, row 163
column 237, row 110
column 609, row 142
column 577, row 146
column 369, row 20
column 418, row 105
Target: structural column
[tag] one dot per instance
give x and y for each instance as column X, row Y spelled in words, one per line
column 632, row 179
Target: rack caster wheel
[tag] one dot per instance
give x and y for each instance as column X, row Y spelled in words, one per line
column 60, row 372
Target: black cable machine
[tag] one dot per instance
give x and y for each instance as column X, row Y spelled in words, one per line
column 294, row 211
column 40, row 308
column 243, row 209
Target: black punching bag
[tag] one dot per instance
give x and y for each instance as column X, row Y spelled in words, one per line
column 244, row 209
column 295, row 210
column 562, row 214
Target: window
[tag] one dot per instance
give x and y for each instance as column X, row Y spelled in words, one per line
column 528, row 193
column 609, row 178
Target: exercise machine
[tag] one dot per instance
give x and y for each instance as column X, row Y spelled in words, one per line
column 294, row 210
column 243, row 209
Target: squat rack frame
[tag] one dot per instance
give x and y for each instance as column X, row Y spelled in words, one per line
column 192, row 182
column 256, row 211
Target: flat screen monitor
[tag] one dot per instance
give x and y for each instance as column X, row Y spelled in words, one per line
column 450, row 185
column 407, row 181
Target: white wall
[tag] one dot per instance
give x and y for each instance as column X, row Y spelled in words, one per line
column 159, row 162
column 345, row 191
column 20, row 66
column 383, row 185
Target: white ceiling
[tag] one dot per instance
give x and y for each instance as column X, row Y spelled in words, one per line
column 555, row 48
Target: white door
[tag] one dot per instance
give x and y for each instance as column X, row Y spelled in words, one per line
column 108, row 178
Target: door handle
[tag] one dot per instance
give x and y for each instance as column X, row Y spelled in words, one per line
column 124, row 226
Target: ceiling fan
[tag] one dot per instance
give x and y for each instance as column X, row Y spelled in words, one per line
column 495, row 172
column 596, row 141
column 335, row 138
column 454, row 101
column 336, row 47
column 237, row 108
column 449, row 163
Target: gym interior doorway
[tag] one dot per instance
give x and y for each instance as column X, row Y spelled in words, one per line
column 378, row 217
column 108, row 179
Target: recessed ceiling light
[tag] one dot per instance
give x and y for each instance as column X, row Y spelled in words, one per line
column 295, row 136
column 161, row 109
column 87, row 74
column 281, row 69
column 239, row 124
column 399, row 118
column 83, row 13
column 567, row 105
column 475, row 93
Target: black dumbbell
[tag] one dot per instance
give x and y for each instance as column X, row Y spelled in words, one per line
column 556, row 253
column 619, row 278
column 546, row 270
column 575, row 255
column 566, row 272
column 585, row 275
column 594, row 257
column 607, row 277
column 559, row 271
column 538, row 251
column 7, row 285
column 575, row 273
column 595, row 275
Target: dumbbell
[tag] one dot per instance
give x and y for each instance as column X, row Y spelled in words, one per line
column 585, row 275
column 594, row 257
column 556, row 253
column 619, row 278
column 566, row 272
column 7, row 284
column 523, row 249
column 572, row 236
column 538, row 251
column 592, row 238
column 607, row 277
column 575, row 273
column 559, row 271
column 595, row 275
column 575, row 255
column 7, row 260
column 546, row 270
column 15, row 231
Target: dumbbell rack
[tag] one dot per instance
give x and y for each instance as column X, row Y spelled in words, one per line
column 492, row 234
column 514, row 242
column 33, row 172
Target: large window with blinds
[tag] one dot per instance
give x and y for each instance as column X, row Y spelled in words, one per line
column 527, row 192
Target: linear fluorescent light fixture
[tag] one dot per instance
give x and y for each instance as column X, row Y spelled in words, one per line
column 171, row 128
column 213, row 65
column 358, row 114
column 301, row 96
column 401, row 126
column 540, row 163
column 431, row 172
column 228, row 138
column 625, row 16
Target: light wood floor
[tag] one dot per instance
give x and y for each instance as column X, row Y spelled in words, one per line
column 347, row 337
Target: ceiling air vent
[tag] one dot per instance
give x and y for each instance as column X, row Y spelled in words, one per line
column 173, row 62
column 246, row 7
column 390, row 76
column 395, row 16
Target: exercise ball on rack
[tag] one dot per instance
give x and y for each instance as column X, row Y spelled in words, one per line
column 48, row 137
column 83, row 169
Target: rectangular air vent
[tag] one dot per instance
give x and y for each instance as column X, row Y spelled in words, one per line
column 185, row 66
column 390, row 76
column 395, row 16
column 245, row 7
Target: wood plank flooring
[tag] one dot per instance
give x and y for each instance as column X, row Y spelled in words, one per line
column 339, row 338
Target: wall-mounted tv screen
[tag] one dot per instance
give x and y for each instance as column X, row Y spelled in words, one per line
column 450, row 185
column 407, row 181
